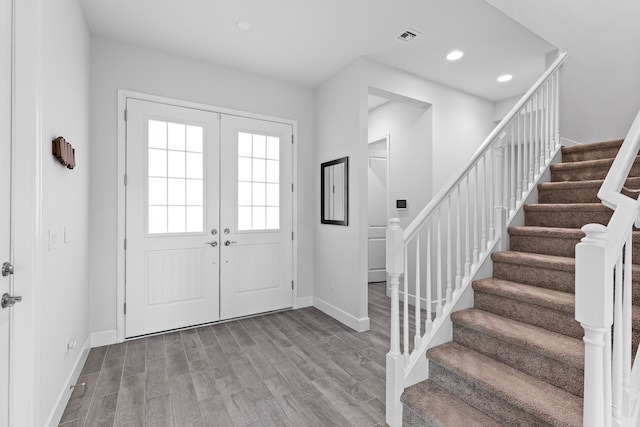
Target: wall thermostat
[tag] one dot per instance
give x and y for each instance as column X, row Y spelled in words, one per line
column 401, row 204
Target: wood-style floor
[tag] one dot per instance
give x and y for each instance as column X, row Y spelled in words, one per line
column 293, row 368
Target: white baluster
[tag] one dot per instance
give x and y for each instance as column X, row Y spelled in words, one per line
column 458, row 241
column 626, row 322
column 492, row 190
column 519, row 167
column 512, row 168
column 449, row 268
column 525, row 150
column 395, row 361
column 476, row 206
column 617, row 358
column 467, row 237
column 417, row 337
column 593, row 288
column 406, row 304
column 556, row 103
column 428, row 322
column 499, row 183
column 547, row 123
column 483, row 208
column 439, row 282
column 537, row 136
column 532, row 155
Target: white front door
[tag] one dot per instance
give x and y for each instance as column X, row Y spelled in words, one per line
column 378, row 208
column 5, row 203
column 256, row 216
column 172, row 251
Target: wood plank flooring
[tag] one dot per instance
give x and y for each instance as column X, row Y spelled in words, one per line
column 293, row 368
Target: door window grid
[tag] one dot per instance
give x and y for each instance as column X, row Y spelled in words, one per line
column 258, row 182
column 175, row 178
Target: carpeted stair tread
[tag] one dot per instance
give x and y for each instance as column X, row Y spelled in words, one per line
column 534, row 295
column 595, row 150
column 555, row 241
column 492, row 380
column 566, row 215
column 430, row 405
column 559, row 347
column 587, row 170
column 580, row 191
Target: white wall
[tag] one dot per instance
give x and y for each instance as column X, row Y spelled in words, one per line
column 118, row 66
column 410, row 129
column 600, row 80
column 460, row 124
column 501, row 108
column 63, row 306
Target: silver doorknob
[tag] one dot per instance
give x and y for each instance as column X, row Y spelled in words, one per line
column 7, row 268
column 212, row 244
column 227, row 243
column 9, row 301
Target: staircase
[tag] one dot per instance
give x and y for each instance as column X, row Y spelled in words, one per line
column 517, row 357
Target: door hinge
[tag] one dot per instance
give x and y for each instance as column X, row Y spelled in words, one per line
column 125, row 244
column 125, row 114
column 125, row 179
column 125, row 308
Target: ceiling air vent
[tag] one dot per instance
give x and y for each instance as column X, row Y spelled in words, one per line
column 407, row 35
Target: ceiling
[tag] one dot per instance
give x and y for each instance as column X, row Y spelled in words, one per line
column 306, row 42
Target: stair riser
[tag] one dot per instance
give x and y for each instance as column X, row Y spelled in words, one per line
column 537, row 276
column 482, row 398
column 588, row 173
column 411, row 418
column 602, row 153
column 565, row 247
column 537, row 365
column 542, row 317
column 566, row 219
column 576, row 195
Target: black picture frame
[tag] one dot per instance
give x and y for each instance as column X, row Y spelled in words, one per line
column 334, row 180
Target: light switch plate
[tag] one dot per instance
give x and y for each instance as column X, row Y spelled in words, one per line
column 53, row 238
column 67, row 233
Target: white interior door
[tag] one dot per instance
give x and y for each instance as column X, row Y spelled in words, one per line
column 256, row 216
column 378, row 210
column 172, row 250
column 5, row 205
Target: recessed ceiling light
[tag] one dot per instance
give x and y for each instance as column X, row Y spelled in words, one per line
column 244, row 25
column 454, row 55
column 505, row 78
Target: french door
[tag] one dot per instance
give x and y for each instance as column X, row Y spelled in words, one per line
column 208, row 208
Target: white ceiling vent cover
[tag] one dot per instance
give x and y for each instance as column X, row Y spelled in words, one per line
column 408, row 35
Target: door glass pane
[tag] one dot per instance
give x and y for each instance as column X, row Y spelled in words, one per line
column 175, row 180
column 258, row 189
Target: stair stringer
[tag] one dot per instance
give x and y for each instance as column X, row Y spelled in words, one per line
column 418, row 369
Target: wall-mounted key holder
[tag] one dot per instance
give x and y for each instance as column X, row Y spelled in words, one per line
column 64, row 152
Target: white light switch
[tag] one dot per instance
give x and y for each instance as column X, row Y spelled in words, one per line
column 67, row 233
column 53, row 238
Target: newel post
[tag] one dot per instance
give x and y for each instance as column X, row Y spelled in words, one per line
column 594, row 311
column 395, row 361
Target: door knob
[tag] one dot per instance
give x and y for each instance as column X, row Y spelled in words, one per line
column 9, row 301
column 227, row 243
column 7, row 269
column 212, row 244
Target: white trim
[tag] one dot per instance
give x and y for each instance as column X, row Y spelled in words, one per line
column 304, row 302
column 566, row 142
column 359, row 325
column 120, row 234
column 108, row 337
column 63, row 398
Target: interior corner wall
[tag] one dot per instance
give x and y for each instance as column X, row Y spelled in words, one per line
column 114, row 66
column 461, row 122
column 63, row 306
column 599, row 80
column 410, row 131
column 501, row 108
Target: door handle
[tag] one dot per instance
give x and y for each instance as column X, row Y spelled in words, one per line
column 7, row 269
column 228, row 243
column 9, row 301
column 212, row 244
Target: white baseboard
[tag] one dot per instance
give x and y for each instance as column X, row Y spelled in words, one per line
column 304, row 302
column 98, row 339
column 359, row 325
column 65, row 393
column 566, row 142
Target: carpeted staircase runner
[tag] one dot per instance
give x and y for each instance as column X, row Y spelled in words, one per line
column 517, row 357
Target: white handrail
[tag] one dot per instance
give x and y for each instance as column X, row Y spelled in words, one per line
column 604, row 298
column 412, row 228
column 445, row 245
